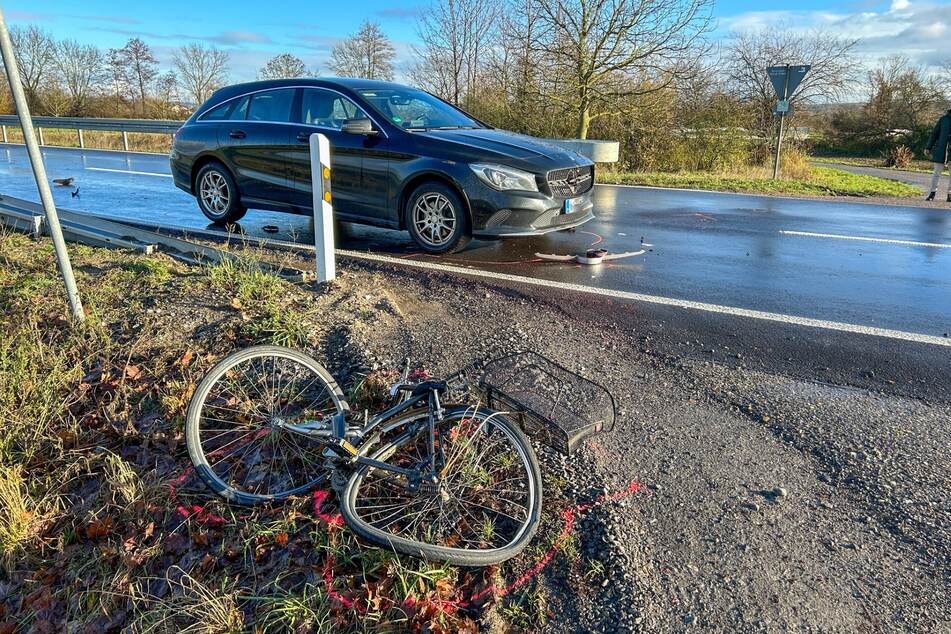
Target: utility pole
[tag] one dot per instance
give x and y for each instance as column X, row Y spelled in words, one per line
column 39, row 169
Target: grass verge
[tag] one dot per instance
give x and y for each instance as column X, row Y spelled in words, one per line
column 103, row 526
column 818, row 181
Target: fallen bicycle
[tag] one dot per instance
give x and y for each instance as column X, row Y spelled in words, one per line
column 433, row 479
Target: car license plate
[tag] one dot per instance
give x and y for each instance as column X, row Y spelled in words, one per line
column 572, row 205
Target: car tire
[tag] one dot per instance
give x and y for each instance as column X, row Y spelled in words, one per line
column 217, row 194
column 437, row 219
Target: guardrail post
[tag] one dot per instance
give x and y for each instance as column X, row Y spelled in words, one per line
column 42, row 140
column 323, row 208
column 125, row 140
column 4, row 128
column 82, row 142
column 39, row 170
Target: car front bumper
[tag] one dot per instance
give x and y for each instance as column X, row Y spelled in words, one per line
column 498, row 214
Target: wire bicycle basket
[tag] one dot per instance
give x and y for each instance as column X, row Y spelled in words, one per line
column 551, row 403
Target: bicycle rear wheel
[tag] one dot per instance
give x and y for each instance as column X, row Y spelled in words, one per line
column 236, row 425
column 482, row 507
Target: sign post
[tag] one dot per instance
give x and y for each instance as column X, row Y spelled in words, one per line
column 323, row 208
column 785, row 80
column 39, row 169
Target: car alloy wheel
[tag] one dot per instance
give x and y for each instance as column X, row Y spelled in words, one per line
column 215, row 193
column 434, row 219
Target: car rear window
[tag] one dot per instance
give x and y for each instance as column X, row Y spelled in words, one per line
column 273, row 105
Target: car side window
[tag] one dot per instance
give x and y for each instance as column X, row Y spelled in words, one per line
column 219, row 113
column 328, row 109
column 272, row 105
column 240, row 111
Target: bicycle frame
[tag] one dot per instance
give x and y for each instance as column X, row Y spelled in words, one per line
column 340, row 433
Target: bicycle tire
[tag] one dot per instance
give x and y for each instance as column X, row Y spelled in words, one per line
column 435, row 552
column 193, row 423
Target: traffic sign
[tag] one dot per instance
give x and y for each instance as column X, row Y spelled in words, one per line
column 786, row 79
column 783, row 107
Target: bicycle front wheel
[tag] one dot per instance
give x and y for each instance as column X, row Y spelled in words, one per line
column 236, row 428
column 481, row 507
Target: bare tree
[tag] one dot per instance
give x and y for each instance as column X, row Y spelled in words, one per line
column 141, row 66
column 945, row 80
column 202, row 70
column 902, row 97
column 284, row 66
column 368, row 53
column 749, row 54
column 521, row 64
column 166, row 90
column 120, row 82
column 455, row 35
column 81, row 70
column 612, row 49
column 35, row 53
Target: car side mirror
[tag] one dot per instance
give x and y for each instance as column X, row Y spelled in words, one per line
column 361, row 126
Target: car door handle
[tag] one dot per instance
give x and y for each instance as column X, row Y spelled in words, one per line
column 303, row 137
column 237, row 134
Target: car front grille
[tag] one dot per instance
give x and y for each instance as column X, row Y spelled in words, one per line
column 571, row 181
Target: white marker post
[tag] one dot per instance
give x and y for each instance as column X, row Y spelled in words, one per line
column 323, row 208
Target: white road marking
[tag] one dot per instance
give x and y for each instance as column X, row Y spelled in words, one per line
column 106, row 169
column 836, row 236
column 579, row 288
column 655, row 299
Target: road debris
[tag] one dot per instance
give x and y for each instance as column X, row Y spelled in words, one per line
column 590, row 257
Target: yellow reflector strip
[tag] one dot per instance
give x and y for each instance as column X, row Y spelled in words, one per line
column 326, row 172
column 327, row 196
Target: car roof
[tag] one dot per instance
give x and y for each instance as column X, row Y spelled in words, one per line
column 351, row 83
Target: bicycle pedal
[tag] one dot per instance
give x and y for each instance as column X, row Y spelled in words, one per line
column 343, row 448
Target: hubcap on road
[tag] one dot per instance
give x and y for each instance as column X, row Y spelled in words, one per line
column 214, row 192
column 434, row 218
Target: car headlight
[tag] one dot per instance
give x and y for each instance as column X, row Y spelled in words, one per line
column 505, row 178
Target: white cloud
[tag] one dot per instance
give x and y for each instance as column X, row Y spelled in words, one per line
column 916, row 30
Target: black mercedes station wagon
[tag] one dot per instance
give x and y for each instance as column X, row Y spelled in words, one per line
column 401, row 158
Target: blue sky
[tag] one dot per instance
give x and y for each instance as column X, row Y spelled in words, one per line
column 252, row 32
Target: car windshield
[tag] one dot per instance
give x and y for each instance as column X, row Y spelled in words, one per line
column 413, row 109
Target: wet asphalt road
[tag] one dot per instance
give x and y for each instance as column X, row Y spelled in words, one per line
column 726, row 249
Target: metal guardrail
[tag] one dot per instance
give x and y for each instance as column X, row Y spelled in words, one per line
column 28, row 217
column 79, row 124
column 597, row 151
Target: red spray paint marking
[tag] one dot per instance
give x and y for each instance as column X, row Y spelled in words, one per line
column 598, row 238
column 196, row 512
column 335, row 519
column 569, row 515
column 199, row 513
